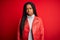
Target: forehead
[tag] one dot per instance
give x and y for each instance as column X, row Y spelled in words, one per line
column 28, row 6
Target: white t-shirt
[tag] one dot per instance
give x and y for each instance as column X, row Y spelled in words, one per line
column 30, row 21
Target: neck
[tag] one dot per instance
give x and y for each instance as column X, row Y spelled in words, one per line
column 31, row 15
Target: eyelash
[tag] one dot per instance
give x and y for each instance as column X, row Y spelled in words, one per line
column 30, row 8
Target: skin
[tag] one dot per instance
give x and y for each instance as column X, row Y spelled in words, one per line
column 29, row 10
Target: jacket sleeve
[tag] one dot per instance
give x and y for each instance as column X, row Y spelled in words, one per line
column 18, row 32
column 42, row 30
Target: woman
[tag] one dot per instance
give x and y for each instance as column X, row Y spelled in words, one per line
column 31, row 26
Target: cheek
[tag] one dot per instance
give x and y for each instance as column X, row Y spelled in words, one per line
column 32, row 10
column 26, row 11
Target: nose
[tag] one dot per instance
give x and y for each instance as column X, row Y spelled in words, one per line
column 28, row 10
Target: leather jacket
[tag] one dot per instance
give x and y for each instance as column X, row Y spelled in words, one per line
column 37, row 30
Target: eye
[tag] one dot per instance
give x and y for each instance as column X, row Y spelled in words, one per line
column 30, row 8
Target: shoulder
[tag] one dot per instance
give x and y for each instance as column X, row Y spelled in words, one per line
column 38, row 18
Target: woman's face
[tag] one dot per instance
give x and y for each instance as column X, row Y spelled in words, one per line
column 29, row 10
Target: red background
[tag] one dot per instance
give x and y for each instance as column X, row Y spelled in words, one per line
column 11, row 12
